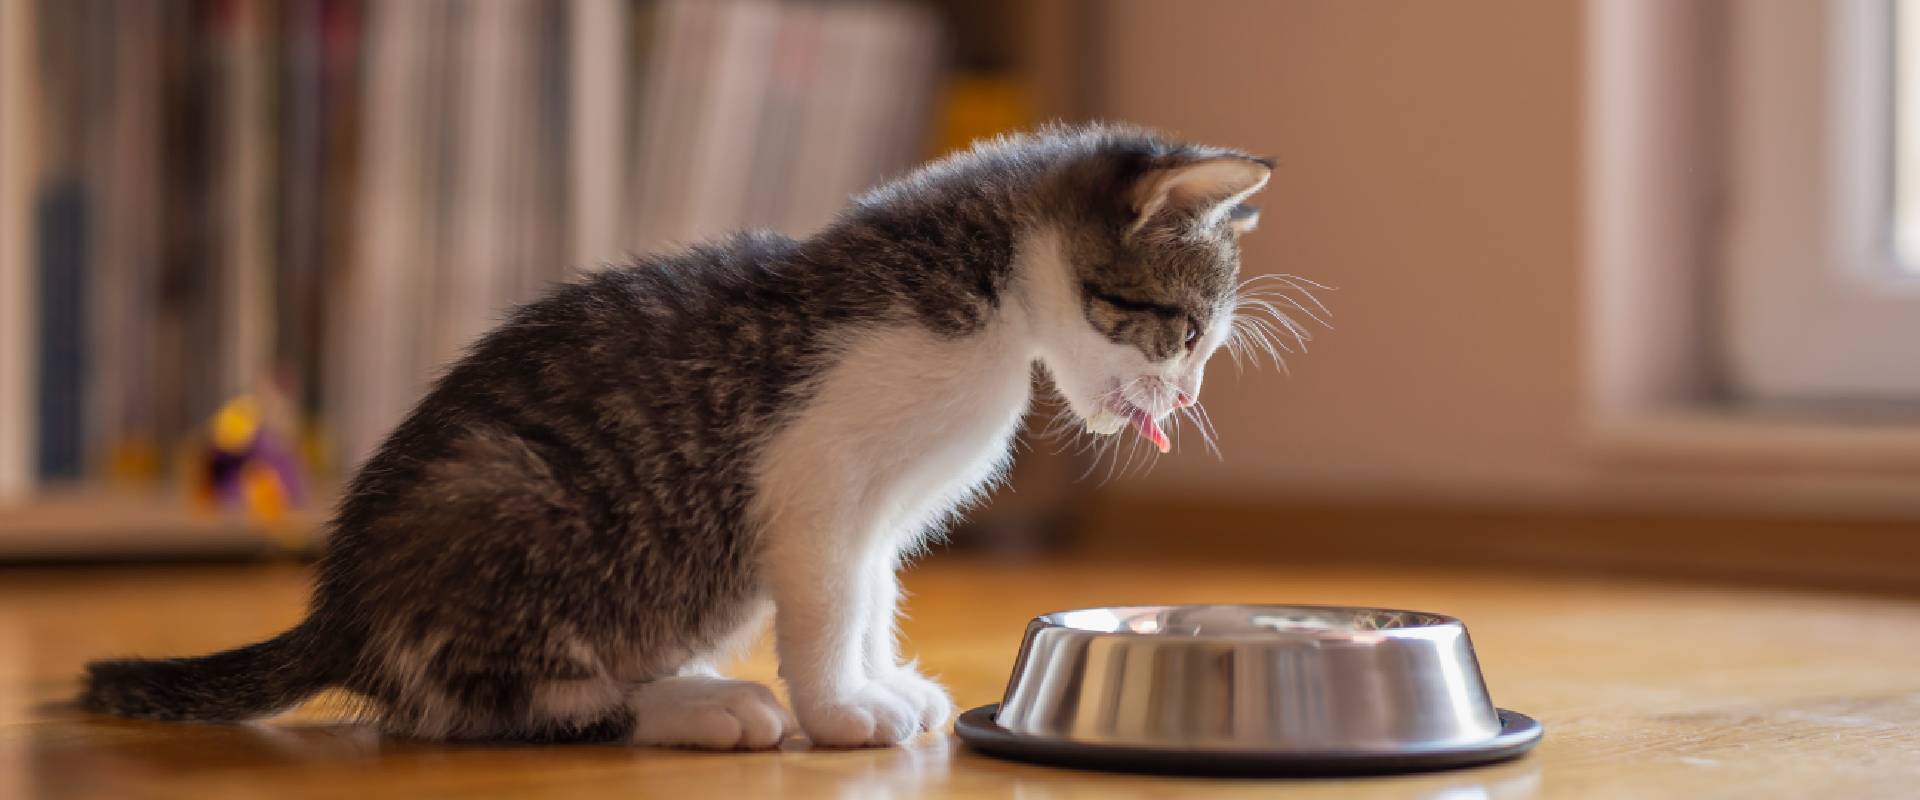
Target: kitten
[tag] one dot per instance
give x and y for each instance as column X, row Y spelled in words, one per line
column 629, row 477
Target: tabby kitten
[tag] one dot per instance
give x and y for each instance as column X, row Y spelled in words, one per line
column 624, row 481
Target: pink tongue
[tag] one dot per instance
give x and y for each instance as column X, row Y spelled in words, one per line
column 1150, row 430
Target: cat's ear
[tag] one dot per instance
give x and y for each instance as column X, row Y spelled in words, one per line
column 1244, row 218
column 1207, row 188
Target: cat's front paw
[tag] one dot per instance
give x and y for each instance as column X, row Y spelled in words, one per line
column 932, row 706
column 873, row 716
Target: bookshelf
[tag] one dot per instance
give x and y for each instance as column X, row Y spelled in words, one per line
column 314, row 203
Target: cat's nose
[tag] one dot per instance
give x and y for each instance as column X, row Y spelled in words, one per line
column 1186, row 390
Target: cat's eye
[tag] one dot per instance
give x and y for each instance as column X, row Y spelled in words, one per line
column 1193, row 335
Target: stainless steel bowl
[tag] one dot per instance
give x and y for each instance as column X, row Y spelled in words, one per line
column 1292, row 688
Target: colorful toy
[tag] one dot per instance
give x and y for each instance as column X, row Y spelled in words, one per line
column 247, row 465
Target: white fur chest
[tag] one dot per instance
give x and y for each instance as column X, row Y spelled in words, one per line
column 905, row 430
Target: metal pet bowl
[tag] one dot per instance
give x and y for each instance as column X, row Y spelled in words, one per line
column 1248, row 690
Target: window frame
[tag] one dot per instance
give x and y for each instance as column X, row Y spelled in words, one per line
column 1656, row 399
column 1808, row 267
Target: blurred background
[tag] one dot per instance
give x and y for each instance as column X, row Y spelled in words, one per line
column 1622, row 285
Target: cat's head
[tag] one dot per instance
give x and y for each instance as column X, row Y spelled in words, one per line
column 1150, row 267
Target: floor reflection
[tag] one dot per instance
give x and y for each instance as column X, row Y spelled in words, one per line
column 1515, row 782
column 910, row 770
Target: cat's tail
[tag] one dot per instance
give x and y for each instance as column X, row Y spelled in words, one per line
column 242, row 683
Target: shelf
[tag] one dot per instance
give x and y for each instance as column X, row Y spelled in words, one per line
column 88, row 524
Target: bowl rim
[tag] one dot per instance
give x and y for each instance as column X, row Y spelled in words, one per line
column 1441, row 622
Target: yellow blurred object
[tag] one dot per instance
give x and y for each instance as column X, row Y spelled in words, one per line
column 133, row 462
column 266, row 496
column 976, row 107
column 236, row 424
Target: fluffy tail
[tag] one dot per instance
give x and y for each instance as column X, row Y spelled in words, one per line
column 243, row 683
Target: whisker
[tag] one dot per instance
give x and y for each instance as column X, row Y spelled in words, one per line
column 1251, row 339
column 1289, row 300
column 1295, row 281
column 1067, row 440
column 1297, row 284
column 1204, row 422
column 1206, row 436
column 1145, row 450
column 1262, row 338
column 1266, row 302
column 1287, row 277
column 1276, row 329
column 1102, row 446
column 1233, row 345
column 1300, row 337
column 1115, row 463
column 1299, row 334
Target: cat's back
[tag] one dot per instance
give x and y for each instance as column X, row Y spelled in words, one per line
column 673, row 288
column 657, row 314
column 687, row 347
column 652, row 334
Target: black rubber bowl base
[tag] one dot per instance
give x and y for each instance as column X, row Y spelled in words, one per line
column 1518, row 734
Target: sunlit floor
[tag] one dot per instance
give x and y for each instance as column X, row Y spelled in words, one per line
column 1647, row 690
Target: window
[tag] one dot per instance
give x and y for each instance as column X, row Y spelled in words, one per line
column 1906, row 152
column 1821, row 242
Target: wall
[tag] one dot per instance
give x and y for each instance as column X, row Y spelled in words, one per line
column 1430, row 168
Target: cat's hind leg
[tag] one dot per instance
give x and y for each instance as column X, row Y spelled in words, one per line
column 701, row 709
column 506, row 701
column 448, row 689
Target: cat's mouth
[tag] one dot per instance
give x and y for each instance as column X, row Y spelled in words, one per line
column 1116, row 414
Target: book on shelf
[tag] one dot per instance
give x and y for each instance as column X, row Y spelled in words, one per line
column 18, row 383
column 322, row 201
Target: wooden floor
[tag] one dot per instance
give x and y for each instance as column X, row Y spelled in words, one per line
column 1647, row 690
